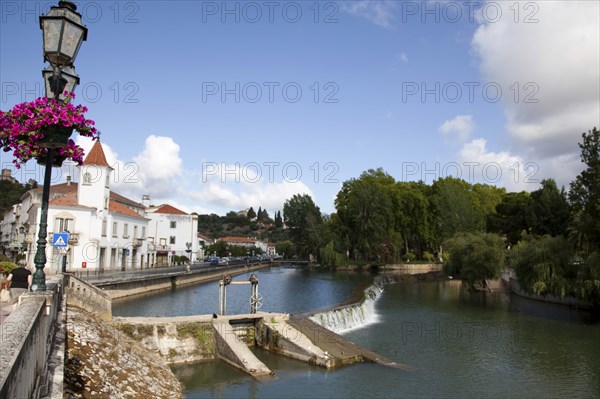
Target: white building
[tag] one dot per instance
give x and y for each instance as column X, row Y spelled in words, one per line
column 107, row 231
column 171, row 233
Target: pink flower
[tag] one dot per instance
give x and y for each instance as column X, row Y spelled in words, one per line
column 22, row 128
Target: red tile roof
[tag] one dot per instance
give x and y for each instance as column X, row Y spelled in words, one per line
column 116, row 207
column 125, row 200
column 168, row 209
column 96, row 156
column 68, row 199
column 238, row 240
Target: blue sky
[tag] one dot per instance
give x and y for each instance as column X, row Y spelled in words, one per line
column 217, row 106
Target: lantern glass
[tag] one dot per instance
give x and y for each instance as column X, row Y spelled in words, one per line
column 65, row 79
column 63, row 34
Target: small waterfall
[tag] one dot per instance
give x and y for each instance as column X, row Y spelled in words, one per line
column 351, row 317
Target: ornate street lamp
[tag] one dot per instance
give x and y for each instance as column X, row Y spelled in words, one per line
column 57, row 80
column 63, row 33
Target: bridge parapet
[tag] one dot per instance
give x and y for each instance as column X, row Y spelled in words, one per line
column 86, row 296
column 28, row 338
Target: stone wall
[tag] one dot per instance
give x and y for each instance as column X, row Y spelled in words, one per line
column 26, row 341
column 175, row 340
column 88, row 297
column 103, row 362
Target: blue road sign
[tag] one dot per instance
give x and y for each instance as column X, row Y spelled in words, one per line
column 127, row 252
column 60, row 240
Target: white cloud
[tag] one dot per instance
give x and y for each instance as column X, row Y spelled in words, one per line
column 235, row 187
column 514, row 172
column 554, row 61
column 497, row 168
column 155, row 170
column 379, row 12
column 461, row 127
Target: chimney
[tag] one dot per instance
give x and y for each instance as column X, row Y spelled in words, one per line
column 68, row 180
column 146, row 200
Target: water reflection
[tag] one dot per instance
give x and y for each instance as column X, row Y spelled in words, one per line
column 463, row 344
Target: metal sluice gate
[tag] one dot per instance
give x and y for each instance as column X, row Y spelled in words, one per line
column 255, row 298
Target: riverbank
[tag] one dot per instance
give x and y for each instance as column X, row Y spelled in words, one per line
column 410, row 268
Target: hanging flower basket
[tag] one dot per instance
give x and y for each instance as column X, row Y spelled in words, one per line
column 56, row 162
column 30, row 128
column 56, row 136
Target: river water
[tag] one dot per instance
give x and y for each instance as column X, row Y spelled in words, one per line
column 461, row 344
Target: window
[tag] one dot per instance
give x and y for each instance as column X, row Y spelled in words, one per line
column 107, row 181
column 126, row 230
column 104, row 227
column 114, row 230
column 63, row 224
column 87, row 178
column 173, row 224
column 143, row 231
column 163, row 241
column 172, row 240
column 135, row 230
column 106, row 203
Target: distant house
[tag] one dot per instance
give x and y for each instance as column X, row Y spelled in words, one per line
column 203, row 243
column 239, row 241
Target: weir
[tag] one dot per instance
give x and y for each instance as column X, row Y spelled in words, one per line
column 229, row 337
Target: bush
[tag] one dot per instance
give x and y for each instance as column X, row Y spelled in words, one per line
column 475, row 256
column 409, row 257
column 7, row 267
column 428, row 256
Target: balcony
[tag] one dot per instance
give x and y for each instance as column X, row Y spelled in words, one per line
column 157, row 247
column 137, row 242
column 74, row 239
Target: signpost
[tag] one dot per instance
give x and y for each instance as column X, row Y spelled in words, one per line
column 61, row 241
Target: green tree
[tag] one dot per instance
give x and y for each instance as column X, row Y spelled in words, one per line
column 285, row 248
column 365, row 210
column 12, row 192
column 475, row 256
column 549, row 210
column 278, row 220
column 512, row 216
column 251, row 214
column 584, row 194
column 412, row 217
column 545, row 266
column 455, row 209
column 304, row 220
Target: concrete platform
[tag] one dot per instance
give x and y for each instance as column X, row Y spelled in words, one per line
column 235, row 351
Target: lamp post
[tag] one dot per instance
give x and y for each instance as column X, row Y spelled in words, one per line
column 63, row 33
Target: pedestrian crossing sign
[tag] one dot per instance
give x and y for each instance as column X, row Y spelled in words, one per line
column 60, row 240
